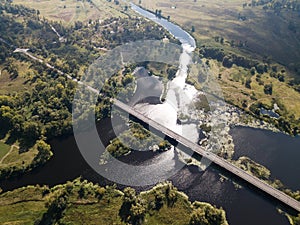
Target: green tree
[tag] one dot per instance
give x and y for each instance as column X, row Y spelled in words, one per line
column 268, row 89
column 55, row 209
column 6, row 115
column 137, row 212
column 253, row 71
column 248, row 83
column 198, row 217
column 31, row 132
column 129, row 195
column 44, row 153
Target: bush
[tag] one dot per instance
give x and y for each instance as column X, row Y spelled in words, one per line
column 268, row 89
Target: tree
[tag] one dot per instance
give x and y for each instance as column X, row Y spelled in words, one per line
column 171, row 73
column 44, row 153
column 198, row 217
column 159, row 199
column 128, row 78
column 31, row 133
column 82, row 192
column 268, row 89
column 6, row 114
column 133, row 208
column 227, row 61
column 137, row 212
column 222, row 40
column 129, row 195
column 244, row 103
column 205, row 214
column 159, row 13
column 55, row 209
column 171, row 194
column 281, row 77
column 260, row 68
column 253, row 71
column 248, row 83
column 193, row 29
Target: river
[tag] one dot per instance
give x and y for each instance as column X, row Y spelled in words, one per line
column 179, row 94
column 243, row 206
column 276, row 151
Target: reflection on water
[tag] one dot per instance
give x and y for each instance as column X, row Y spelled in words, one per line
column 179, row 94
column 242, row 206
column 278, row 152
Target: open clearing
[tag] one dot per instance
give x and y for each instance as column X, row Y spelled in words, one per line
column 4, row 149
column 69, row 11
column 8, row 84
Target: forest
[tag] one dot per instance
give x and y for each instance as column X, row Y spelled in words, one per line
column 35, row 100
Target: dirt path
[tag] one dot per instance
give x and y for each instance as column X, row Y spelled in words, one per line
column 10, row 151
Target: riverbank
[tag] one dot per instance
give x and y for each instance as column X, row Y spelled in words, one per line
column 16, row 161
column 76, row 202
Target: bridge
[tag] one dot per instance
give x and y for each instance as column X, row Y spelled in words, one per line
column 261, row 185
column 268, row 189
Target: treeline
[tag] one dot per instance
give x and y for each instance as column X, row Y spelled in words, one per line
column 84, row 41
column 276, row 5
column 67, row 203
column 289, row 125
column 16, row 9
column 228, row 59
column 22, row 27
column 79, row 201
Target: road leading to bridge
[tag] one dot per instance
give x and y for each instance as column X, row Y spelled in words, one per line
column 279, row 195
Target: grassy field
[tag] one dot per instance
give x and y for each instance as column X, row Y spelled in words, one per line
column 17, row 158
column 69, row 11
column 233, row 86
column 8, row 85
column 14, row 160
column 106, row 212
column 4, row 149
column 22, row 206
column 265, row 33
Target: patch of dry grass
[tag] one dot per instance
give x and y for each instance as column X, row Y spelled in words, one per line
column 69, row 11
column 233, row 85
column 265, row 33
column 9, row 84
